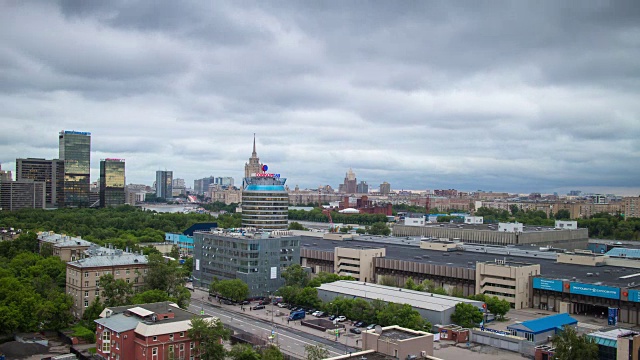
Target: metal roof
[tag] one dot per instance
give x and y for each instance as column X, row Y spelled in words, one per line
column 110, row 260
column 609, row 338
column 624, row 252
column 140, row 311
column 417, row 299
column 544, row 324
column 119, row 322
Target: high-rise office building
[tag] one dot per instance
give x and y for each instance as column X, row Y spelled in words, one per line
column 5, row 175
column 112, row 182
column 75, row 151
column 22, row 194
column 350, row 183
column 265, row 202
column 51, row 172
column 385, row 188
column 253, row 167
column 225, row 181
column 362, row 188
column 164, row 184
column 201, row 186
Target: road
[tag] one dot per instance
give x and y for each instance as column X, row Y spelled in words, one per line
column 290, row 339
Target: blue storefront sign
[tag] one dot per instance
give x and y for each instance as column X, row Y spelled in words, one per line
column 634, row 295
column 546, row 284
column 595, row 290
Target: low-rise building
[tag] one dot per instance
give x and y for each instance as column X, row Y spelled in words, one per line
column 357, row 263
column 509, row 281
column 83, row 276
column 148, row 331
column 67, row 248
column 541, row 330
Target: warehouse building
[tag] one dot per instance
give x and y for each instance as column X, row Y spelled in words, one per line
column 435, row 308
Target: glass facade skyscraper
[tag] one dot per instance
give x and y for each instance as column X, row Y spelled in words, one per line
column 51, row 172
column 75, row 150
column 112, row 182
column 164, row 184
column 265, row 203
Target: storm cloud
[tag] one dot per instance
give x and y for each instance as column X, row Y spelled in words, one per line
column 504, row 96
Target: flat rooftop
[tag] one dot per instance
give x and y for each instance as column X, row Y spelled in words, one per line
column 607, row 275
column 417, row 299
column 394, row 335
column 488, row 227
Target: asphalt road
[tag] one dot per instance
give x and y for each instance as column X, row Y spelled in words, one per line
column 289, row 339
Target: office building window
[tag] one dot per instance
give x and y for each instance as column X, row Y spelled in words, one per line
column 86, row 303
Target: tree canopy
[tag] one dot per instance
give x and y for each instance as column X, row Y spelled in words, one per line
column 207, row 333
column 235, row 289
column 569, row 345
column 466, row 315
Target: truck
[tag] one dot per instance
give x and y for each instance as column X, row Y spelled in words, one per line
column 296, row 315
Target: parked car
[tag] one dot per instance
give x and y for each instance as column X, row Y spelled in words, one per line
column 227, row 302
column 319, row 313
column 245, row 302
column 332, row 317
column 296, row 315
column 359, row 324
column 311, row 311
column 341, row 318
column 355, row 330
column 371, row 326
column 283, row 305
column 264, row 302
column 258, row 307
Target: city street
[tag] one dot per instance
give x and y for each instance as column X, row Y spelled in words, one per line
column 291, row 338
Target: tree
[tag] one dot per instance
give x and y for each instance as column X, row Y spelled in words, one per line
column 380, row 228
column 411, row 285
column 150, row 296
column 243, row 352
column 296, row 226
column 92, row 313
column 466, row 315
column 167, row 276
column 316, row 352
column 514, row 209
column 235, row 289
column 563, row 214
column 207, row 334
column 387, row 280
column 295, row 275
column 272, row 353
column 570, row 346
column 115, row 292
column 175, row 252
column 187, row 267
column 46, row 250
column 497, row 307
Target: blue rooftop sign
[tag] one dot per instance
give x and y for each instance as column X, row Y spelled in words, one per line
column 595, row 290
column 634, row 295
column 547, row 284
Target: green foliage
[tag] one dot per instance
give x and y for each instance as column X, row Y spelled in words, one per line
column 123, row 226
column 272, row 353
column 150, row 296
column 296, row 226
column 316, row 215
column 168, row 277
column 187, row 267
column 220, row 206
column 466, row 315
column 27, row 242
column 380, row 228
column 408, row 208
column 325, row 277
column 243, row 352
column 445, row 219
column 236, row 289
column 175, row 252
column 92, row 313
column 115, row 292
column 495, row 305
column 316, row 352
column 295, row 275
column 387, row 280
column 563, row 215
column 32, row 296
column 229, row 221
column 570, row 346
column 207, row 334
column 82, row 332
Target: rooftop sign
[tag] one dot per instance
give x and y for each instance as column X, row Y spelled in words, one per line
column 73, row 132
column 595, row 290
column 277, row 176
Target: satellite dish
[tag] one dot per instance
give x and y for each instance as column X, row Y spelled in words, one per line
column 378, row 329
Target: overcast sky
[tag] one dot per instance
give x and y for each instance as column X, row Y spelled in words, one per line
column 506, row 96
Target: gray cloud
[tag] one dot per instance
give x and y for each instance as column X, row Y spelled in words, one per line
column 519, row 96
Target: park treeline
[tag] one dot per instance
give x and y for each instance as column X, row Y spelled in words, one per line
column 316, row 215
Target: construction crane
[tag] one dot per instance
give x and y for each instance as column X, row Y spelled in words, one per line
column 328, row 213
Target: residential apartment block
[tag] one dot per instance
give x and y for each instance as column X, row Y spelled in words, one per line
column 83, row 275
column 153, row 331
column 65, row 247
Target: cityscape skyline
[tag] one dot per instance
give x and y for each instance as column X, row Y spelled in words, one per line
column 519, row 98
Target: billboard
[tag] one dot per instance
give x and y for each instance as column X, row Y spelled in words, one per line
column 547, row 284
column 634, row 295
column 595, row 290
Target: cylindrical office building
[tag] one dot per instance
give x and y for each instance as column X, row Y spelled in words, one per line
column 265, row 203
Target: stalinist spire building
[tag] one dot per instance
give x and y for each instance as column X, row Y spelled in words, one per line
column 253, row 166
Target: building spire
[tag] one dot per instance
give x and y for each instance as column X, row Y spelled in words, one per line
column 254, row 154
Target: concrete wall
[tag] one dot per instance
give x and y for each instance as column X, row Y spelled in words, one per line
column 438, row 246
column 581, row 259
column 507, row 342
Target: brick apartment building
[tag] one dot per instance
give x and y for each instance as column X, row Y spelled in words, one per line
column 154, row 331
column 83, row 275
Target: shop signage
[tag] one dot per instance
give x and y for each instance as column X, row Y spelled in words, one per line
column 634, row 295
column 547, row 284
column 595, row 290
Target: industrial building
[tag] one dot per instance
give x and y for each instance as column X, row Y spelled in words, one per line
column 494, row 234
column 575, row 282
column 437, row 309
column 257, row 258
